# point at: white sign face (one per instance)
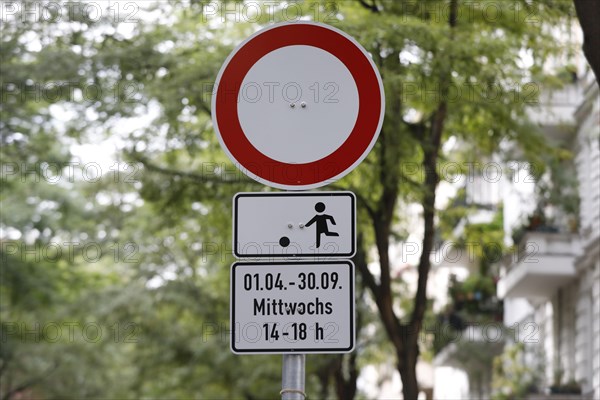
(315, 127)
(291, 225)
(283, 307)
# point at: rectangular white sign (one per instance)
(288, 307)
(305, 224)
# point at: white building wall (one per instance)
(587, 162)
(543, 318)
(567, 331)
(588, 171)
(595, 322)
(583, 326)
(450, 383)
(516, 310)
(587, 351)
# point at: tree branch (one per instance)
(200, 178)
(6, 360)
(371, 7)
(360, 260)
(588, 12)
(31, 382)
(205, 107)
(359, 196)
(431, 148)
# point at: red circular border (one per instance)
(327, 167)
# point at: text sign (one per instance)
(305, 307)
(305, 224)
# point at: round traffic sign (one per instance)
(298, 105)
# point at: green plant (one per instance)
(475, 298)
(512, 378)
(559, 189)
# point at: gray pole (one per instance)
(292, 377)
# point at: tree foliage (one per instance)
(141, 252)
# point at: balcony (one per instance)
(559, 397)
(473, 350)
(543, 263)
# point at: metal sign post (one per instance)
(292, 377)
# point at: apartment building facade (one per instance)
(551, 288)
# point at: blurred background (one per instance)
(478, 272)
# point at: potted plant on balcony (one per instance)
(538, 221)
(557, 197)
(558, 194)
(571, 387)
(557, 387)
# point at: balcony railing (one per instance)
(543, 263)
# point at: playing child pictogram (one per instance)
(322, 225)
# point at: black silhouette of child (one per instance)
(321, 220)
